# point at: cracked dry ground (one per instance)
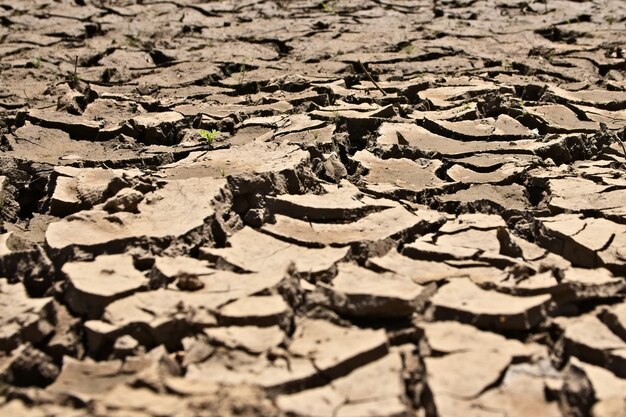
(450, 241)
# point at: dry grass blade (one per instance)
(621, 142)
(370, 78)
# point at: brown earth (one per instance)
(405, 208)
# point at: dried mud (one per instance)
(404, 208)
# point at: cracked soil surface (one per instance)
(404, 208)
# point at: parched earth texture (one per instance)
(402, 208)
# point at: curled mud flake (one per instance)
(466, 302)
(91, 286)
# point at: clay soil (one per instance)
(349, 208)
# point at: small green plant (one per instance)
(328, 6)
(523, 111)
(208, 135)
(35, 63)
(610, 19)
(222, 172)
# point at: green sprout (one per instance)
(523, 111)
(35, 63)
(222, 172)
(326, 6)
(208, 135)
